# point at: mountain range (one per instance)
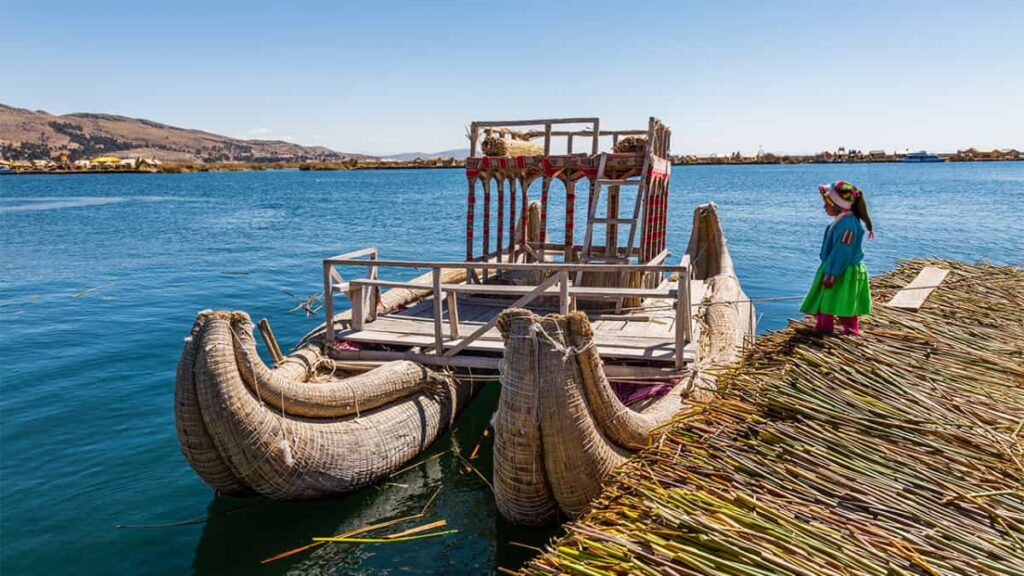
(38, 135)
(458, 153)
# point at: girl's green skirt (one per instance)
(850, 295)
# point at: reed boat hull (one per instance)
(294, 431)
(560, 428)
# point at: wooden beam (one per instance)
(270, 340)
(370, 251)
(476, 362)
(684, 314)
(493, 321)
(355, 295)
(563, 292)
(542, 266)
(328, 304)
(913, 295)
(540, 122)
(453, 314)
(438, 337)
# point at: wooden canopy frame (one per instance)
(650, 169)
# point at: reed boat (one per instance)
(376, 383)
(561, 427)
(302, 429)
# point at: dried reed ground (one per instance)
(900, 452)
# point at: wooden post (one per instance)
(547, 138)
(453, 315)
(501, 216)
(474, 133)
(512, 219)
(487, 223)
(328, 305)
(570, 212)
(683, 315)
(524, 220)
(438, 337)
(470, 215)
(568, 146)
(595, 145)
(544, 190)
(563, 292)
(270, 340)
(356, 296)
(611, 231)
(374, 295)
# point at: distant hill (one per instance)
(457, 153)
(38, 135)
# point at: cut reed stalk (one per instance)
(893, 453)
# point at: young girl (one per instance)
(841, 285)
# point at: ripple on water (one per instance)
(86, 396)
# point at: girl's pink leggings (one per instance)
(825, 324)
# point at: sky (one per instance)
(401, 76)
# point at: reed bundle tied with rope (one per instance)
(631, 144)
(300, 430)
(495, 146)
(900, 452)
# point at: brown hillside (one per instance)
(31, 135)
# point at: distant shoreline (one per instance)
(453, 163)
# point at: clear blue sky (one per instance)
(384, 77)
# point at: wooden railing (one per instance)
(362, 292)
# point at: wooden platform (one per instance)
(646, 335)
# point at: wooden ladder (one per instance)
(611, 254)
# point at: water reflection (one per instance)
(240, 533)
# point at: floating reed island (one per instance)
(606, 336)
(897, 453)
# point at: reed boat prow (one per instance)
(560, 427)
(299, 431)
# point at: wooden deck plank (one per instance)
(646, 334)
(404, 326)
(913, 295)
(653, 353)
(516, 290)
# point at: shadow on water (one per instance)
(240, 533)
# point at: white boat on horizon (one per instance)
(922, 156)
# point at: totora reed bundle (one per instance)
(495, 146)
(631, 144)
(298, 430)
(560, 429)
(897, 453)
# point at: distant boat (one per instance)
(922, 156)
(4, 170)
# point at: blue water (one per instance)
(86, 426)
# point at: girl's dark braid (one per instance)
(860, 210)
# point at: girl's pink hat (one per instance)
(842, 194)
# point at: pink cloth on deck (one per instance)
(632, 392)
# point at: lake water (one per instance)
(101, 276)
